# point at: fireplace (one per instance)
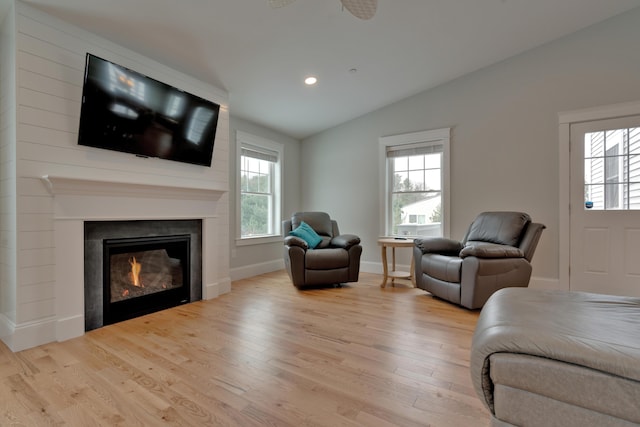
(144, 274)
(86, 211)
(133, 268)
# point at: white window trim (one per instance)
(247, 138)
(436, 136)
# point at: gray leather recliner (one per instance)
(495, 253)
(334, 261)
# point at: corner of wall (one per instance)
(8, 198)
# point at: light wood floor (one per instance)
(263, 354)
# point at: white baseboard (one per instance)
(214, 290)
(269, 266)
(546, 283)
(256, 269)
(371, 267)
(6, 329)
(31, 334)
(535, 282)
(71, 327)
(376, 267)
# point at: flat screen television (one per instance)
(126, 111)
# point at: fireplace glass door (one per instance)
(144, 274)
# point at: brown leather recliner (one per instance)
(495, 253)
(335, 260)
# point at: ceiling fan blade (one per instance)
(363, 9)
(280, 3)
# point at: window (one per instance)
(416, 184)
(259, 188)
(612, 169)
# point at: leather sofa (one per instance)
(546, 358)
(335, 259)
(496, 252)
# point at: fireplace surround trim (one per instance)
(76, 200)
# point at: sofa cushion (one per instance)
(442, 267)
(504, 228)
(306, 233)
(327, 259)
(490, 250)
(592, 390)
(598, 332)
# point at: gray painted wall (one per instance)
(504, 146)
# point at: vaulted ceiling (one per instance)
(260, 55)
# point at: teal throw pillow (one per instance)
(306, 233)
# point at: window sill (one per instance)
(247, 241)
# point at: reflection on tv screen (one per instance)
(126, 111)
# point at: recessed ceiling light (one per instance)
(310, 81)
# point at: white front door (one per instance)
(605, 206)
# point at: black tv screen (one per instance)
(126, 111)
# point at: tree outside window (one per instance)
(256, 183)
(259, 185)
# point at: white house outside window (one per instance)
(612, 169)
(259, 184)
(417, 181)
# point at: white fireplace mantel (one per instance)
(92, 199)
(61, 185)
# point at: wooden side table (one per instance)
(390, 242)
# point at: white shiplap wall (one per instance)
(7, 177)
(50, 57)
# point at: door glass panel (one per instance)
(594, 171)
(612, 169)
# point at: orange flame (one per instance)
(135, 271)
